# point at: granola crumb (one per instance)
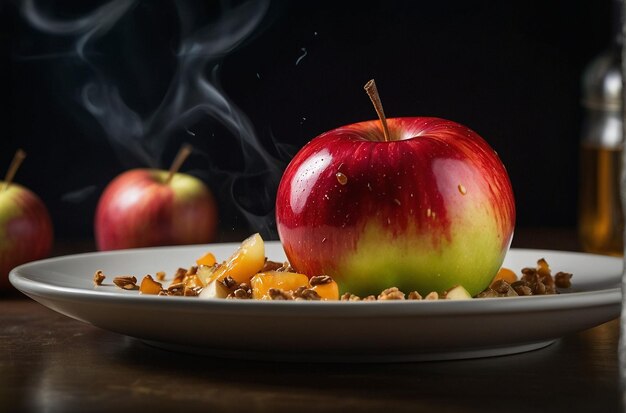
(126, 282)
(229, 282)
(392, 293)
(277, 294)
(563, 279)
(320, 279)
(349, 297)
(303, 293)
(271, 265)
(98, 277)
(414, 295)
(434, 295)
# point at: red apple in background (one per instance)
(417, 203)
(153, 207)
(26, 232)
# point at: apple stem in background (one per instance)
(181, 156)
(372, 92)
(15, 164)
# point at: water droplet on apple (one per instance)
(341, 178)
(397, 201)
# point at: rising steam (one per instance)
(193, 92)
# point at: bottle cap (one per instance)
(602, 82)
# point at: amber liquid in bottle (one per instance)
(601, 223)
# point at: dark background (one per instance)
(510, 70)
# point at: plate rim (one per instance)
(577, 299)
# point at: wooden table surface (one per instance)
(51, 363)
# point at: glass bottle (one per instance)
(600, 218)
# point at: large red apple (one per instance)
(428, 209)
(26, 232)
(153, 207)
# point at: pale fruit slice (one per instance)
(193, 281)
(457, 293)
(214, 289)
(282, 280)
(246, 261)
(205, 273)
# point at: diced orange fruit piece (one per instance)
(246, 261)
(543, 268)
(207, 259)
(506, 275)
(149, 286)
(283, 280)
(328, 291)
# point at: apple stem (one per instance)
(181, 156)
(372, 92)
(15, 164)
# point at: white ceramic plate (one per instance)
(322, 331)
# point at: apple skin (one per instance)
(139, 209)
(26, 231)
(428, 210)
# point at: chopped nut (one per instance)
(563, 279)
(286, 267)
(523, 290)
(278, 294)
(538, 288)
(192, 291)
(126, 282)
(391, 294)
(369, 298)
(179, 276)
(160, 275)
(320, 279)
(303, 293)
(271, 265)
(349, 297)
(240, 293)
(488, 293)
(501, 287)
(229, 282)
(176, 289)
(432, 296)
(414, 295)
(98, 277)
(530, 275)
